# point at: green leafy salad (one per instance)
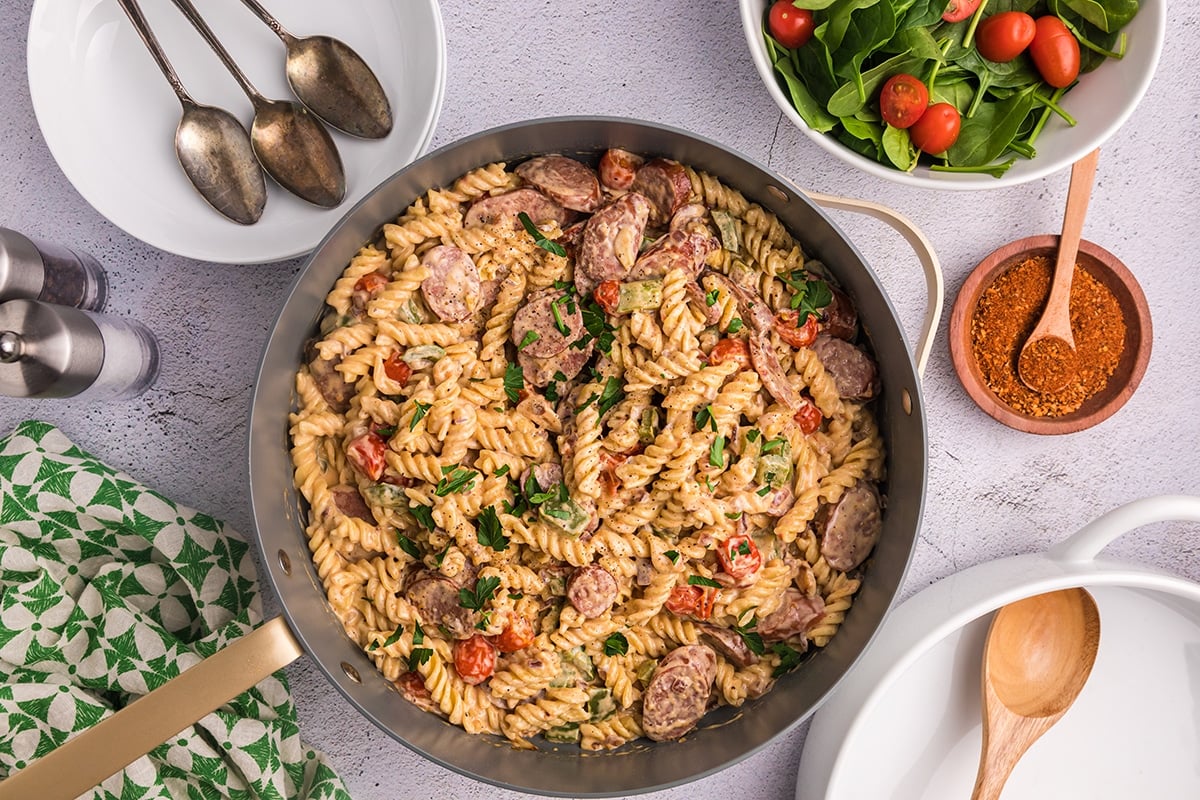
(957, 85)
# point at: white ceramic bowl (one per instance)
(1100, 104)
(910, 708)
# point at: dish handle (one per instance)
(1087, 542)
(934, 283)
(117, 741)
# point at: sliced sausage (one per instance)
(610, 242)
(554, 333)
(679, 249)
(853, 371)
(540, 372)
(728, 643)
(767, 365)
(798, 614)
(546, 475)
(690, 217)
(436, 600)
(505, 207)
(839, 318)
(677, 694)
(666, 185)
(330, 383)
(592, 590)
(618, 168)
(351, 503)
(852, 527)
(570, 183)
(699, 298)
(453, 288)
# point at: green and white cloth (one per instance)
(107, 590)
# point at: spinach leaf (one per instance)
(923, 14)
(914, 41)
(985, 136)
(846, 101)
(1014, 74)
(868, 30)
(957, 93)
(899, 149)
(837, 20)
(1107, 15)
(810, 110)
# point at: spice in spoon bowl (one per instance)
(999, 305)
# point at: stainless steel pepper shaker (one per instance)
(49, 350)
(49, 272)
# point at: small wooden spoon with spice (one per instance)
(1047, 361)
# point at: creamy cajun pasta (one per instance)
(587, 451)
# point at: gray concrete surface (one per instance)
(993, 492)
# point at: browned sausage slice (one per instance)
(690, 217)
(853, 371)
(436, 600)
(677, 694)
(506, 207)
(351, 503)
(556, 319)
(679, 249)
(330, 383)
(540, 372)
(570, 183)
(798, 614)
(610, 242)
(592, 590)
(728, 643)
(618, 168)
(666, 185)
(453, 289)
(852, 527)
(839, 318)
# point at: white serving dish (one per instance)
(1100, 104)
(905, 723)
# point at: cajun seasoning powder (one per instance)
(1005, 316)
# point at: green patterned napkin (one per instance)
(107, 590)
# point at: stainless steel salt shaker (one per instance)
(49, 350)
(38, 270)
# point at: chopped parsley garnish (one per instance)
(735, 325)
(475, 599)
(710, 298)
(500, 473)
(610, 395)
(551, 392)
(564, 286)
(733, 515)
(408, 545)
(716, 453)
(596, 323)
(440, 557)
(752, 435)
(558, 375)
(700, 580)
(539, 238)
(708, 483)
(790, 658)
(774, 444)
(418, 657)
(387, 431)
(616, 645)
(763, 491)
(705, 418)
(529, 338)
(514, 382)
(421, 409)
(418, 634)
(752, 638)
(534, 492)
(811, 295)
(673, 555)
(458, 479)
(559, 323)
(391, 640)
(557, 513)
(489, 533)
(743, 548)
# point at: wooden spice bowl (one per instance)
(1105, 268)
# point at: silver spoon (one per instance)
(213, 147)
(333, 81)
(291, 143)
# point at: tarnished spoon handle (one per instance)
(193, 16)
(269, 20)
(134, 12)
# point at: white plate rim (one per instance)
(40, 82)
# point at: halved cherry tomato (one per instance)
(396, 368)
(610, 483)
(475, 659)
(937, 129)
(808, 417)
(958, 10)
(366, 453)
(788, 327)
(688, 600)
(517, 636)
(903, 100)
(1055, 52)
(735, 350)
(371, 283)
(1004, 36)
(790, 26)
(607, 295)
(739, 556)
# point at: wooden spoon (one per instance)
(1051, 346)
(1038, 656)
